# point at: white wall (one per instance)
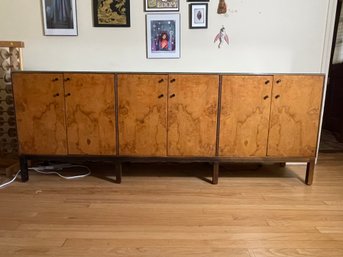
(267, 36)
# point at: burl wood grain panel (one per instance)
(39, 103)
(192, 115)
(295, 113)
(142, 114)
(90, 113)
(244, 119)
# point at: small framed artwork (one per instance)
(59, 17)
(111, 13)
(198, 16)
(163, 35)
(161, 5)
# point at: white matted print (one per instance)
(198, 16)
(59, 17)
(163, 35)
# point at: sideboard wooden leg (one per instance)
(215, 173)
(118, 172)
(24, 172)
(309, 172)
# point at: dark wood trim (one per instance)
(116, 109)
(174, 73)
(270, 113)
(320, 118)
(282, 164)
(65, 112)
(309, 172)
(167, 116)
(119, 172)
(219, 109)
(215, 173)
(118, 160)
(24, 172)
(168, 159)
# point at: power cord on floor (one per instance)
(41, 170)
(11, 181)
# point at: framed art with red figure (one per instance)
(163, 36)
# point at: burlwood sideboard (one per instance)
(171, 117)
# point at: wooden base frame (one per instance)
(214, 160)
(309, 172)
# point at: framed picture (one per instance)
(163, 35)
(161, 5)
(198, 16)
(111, 13)
(59, 17)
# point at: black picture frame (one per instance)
(198, 1)
(149, 8)
(198, 16)
(120, 8)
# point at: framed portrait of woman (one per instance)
(59, 17)
(163, 36)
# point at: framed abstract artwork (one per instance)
(163, 35)
(111, 13)
(161, 5)
(198, 16)
(59, 17)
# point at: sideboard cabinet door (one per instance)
(295, 114)
(192, 115)
(39, 102)
(90, 113)
(244, 119)
(142, 114)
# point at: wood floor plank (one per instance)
(29, 241)
(166, 235)
(180, 243)
(301, 252)
(336, 229)
(124, 252)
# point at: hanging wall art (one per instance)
(111, 13)
(59, 17)
(198, 16)
(221, 37)
(161, 5)
(222, 9)
(163, 35)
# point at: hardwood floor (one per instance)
(165, 210)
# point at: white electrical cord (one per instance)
(41, 171)
(10, 182)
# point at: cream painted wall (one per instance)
(266, 36)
